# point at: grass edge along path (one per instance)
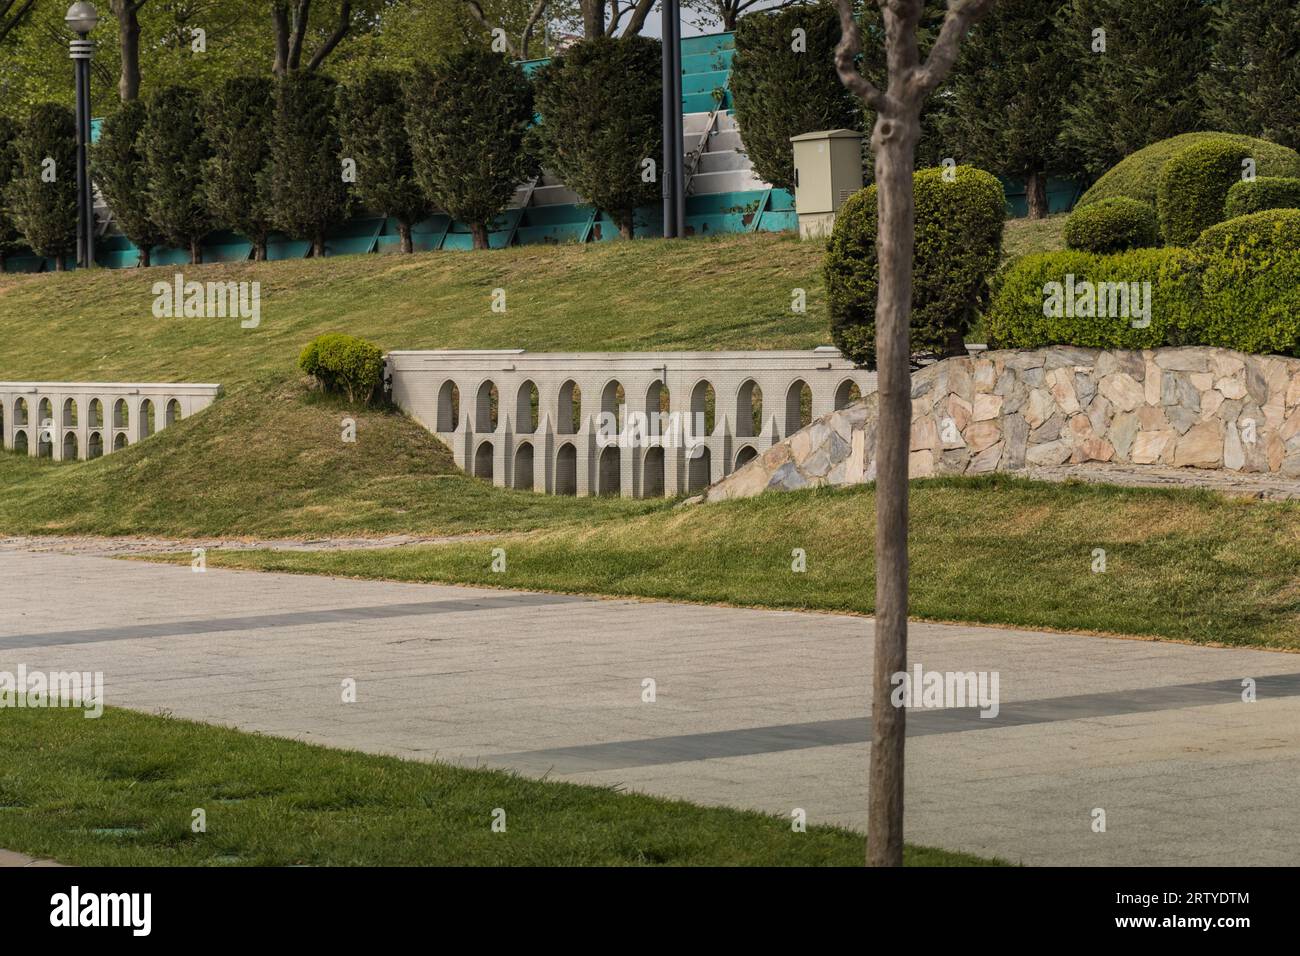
(122, 790)
(1172, 564)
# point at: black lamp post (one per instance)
(672, 175)
(81, 19)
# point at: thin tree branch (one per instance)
(962, 15)
(527, 36)
(340, 31)
(7, 25)
(300, 15)
(846, 54)
(477, 13)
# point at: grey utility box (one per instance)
(827, 171)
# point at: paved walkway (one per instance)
(762, 709)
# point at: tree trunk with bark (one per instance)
(894, 138)
(627, 224)
(144, 257)
(1036, 194)
(196, 252)
(128, 31)
(404, 234)
(318, 246)
(479, 231)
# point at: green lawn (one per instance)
(1182, 565)
(121, 791)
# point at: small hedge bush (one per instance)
(1137, 174)
(1112, 225)
(1250, 292)
(1030, 311)
(1193, 188)
(958, 244)
(344, 364)
(1264, 192)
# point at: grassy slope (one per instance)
(121, 791)
(269, 460)
(1187, 566)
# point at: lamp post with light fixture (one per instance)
(81, 19)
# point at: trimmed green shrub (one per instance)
(601, 121)
(372, 117)
(780, 93)
(1250, 293)
(41, 198)
(958, 244)
(467, 118)
(1137, 175)
(344, 364)
(1054, 298)
(307, 191)
(1112, 225)
(118, 168)
(237, 118)
(10, 239)
(174, 148)
(1264, 192)
(1193, 189)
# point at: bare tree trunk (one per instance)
(60, 263)
(144, 257)
(128, 31)
(894, 139)
(593, 18)
(627, 224)
(404, 233)
(480, 233)
(1036, 194)
(318, 246)
(259, 249)
(196, 252)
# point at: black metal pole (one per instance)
(679, 168)
(81, 50)
(666, 176)
(81, 169)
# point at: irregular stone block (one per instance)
(1201, 447)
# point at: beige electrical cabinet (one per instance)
(827, 171)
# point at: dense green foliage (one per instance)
(1080, 298)
(1252, 84)
(119, 170)
(41, 198)
(1263, 192)
(1142, 87)
(1137, 175)
(174, 148)
(10, 238)
(958, 244)
(344, 364)
(1193, 188)
(237, 116)
(602, 123)
(1008, 95)
(782, 91)
(467, 118)
(307, 191)
(372, 125)
(1112, 225)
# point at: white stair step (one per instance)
(730, 139)
(719, 161)
(728, 181)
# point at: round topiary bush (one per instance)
(1193, 188)
(1136, 175)
(1112, 225)
(958, 243)
(1250, 292)
(1264, 192)
(344, 364)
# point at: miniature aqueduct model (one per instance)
(70, 420)
(639, 424)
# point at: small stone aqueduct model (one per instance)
(74, 420)
(638, 424)
(1018, 410)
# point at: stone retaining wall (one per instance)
(1012, 410)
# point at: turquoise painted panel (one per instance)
(708, 62)
(704, 82)
(708, 43)
(779, 221)
(282, 248)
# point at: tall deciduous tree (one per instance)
(466, 119)
(291, 23)
(897, 106)
(1135, 65)
(237, 122)
(1252, 85)
(601, 122)
(174, 149)
(12, 13)
(372, 117)
(1008, 96)
(42, 196)
(725, 14)
(784, 82)
(517, 48)
(118, 168)
(308, 193)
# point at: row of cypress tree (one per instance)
(1043, 87)
(296, 153)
